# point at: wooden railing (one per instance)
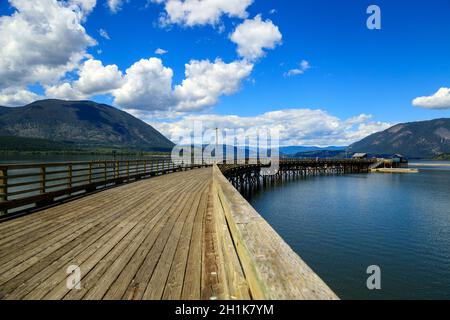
(24, 187)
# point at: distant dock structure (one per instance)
(360, 155)
(395, 164)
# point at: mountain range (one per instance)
(291, 150)
(424, 139)
(81, 124)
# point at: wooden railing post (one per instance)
(117, 170)
(43, 178)
(3, 187)
(105, 176)
(90, 172)
(128, 169)
(70, 175)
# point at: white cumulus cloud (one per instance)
(64, 91)
(254, 35)
(307, 127)
(201, 12)
(13, 97)
(147, 85)
(41, 41)
(439, 100)
(98, 79)
(206, 81)
(94, 79)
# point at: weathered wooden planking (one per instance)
(192, 280)
(174, 285)
(30, 223)
(97, 249)
(136, 289)
(118, 288)
(158, 282)
(144, 240)
(97, 268)
(36, 247)
(237, 284)
(40, 272)
(46, 266)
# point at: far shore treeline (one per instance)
(34, 146)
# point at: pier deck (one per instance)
(186, 235)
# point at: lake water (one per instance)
(340, 225)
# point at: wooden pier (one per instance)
(245, 177)
(185, 235)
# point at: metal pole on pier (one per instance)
(217, 145)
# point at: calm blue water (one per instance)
(340, 225)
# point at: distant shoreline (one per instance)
(431, 164)
(81, 153)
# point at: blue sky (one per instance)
(351, 71)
